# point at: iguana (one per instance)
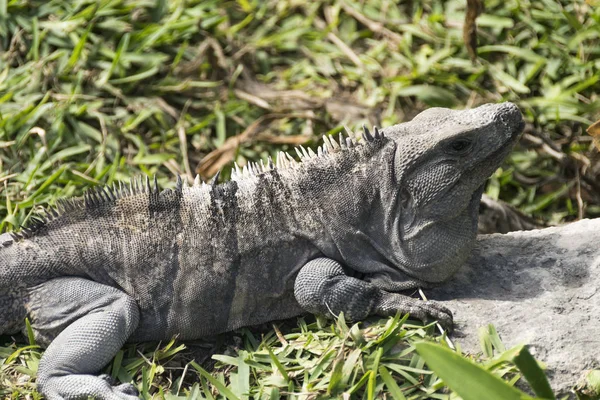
(342, 230)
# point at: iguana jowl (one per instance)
(342, 230)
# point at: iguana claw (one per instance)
(419, 309)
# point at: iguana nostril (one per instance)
(511, 116)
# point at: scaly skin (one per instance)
(338, 232)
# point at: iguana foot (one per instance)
(81, 387)
(391, 303)
(322, 287)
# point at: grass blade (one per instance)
(467, 379)
(391, 384)
(531, 370)
(220, 387)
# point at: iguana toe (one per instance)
(438, 312)
(391, 303)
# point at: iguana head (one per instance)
(403, 206)
(441, 161)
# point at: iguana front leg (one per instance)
(322, 287)
(94, 321)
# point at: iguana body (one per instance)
(338, 232)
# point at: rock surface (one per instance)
(537, 287)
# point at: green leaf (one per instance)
(525, 54)
(151, 159)
(278, 364)
(592, 380)
(29, 201)
(391, 384)
(336, 382)
(241, 384)
(547, 199)
(136, 77)
(485, 342)
(30, 335)
(122, 47)
(116, 364)
(494, 21)
(509, 81)
(18, 353)
(531, 370)
(350, 363)
(506, 356)
(360, 382)
(216, 383)
(62, 155)
(76, 54)
(431, 95)
(467, 379)
(373, 377)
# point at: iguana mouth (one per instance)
(498, 155)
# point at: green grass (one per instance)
(94, 91)
(314, 360)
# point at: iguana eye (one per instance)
(460, 146)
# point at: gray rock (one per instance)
(537, 287)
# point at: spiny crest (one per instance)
(92, 199)
(35, 224)
(6, 239)
(95, 197)
(101, 195)
(285, 160)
